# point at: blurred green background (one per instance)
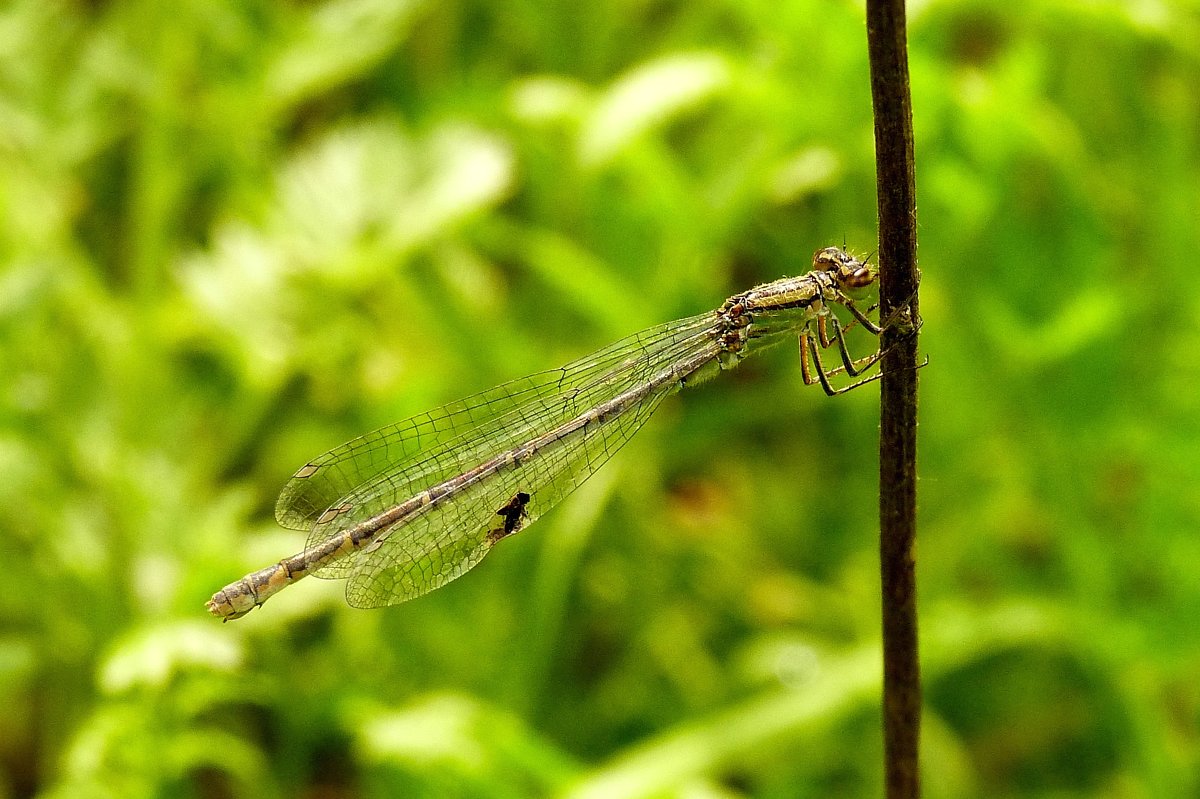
(235, 235)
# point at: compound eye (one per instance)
(859, 278)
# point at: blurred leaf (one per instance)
(149, 659)
(337, 41)
(646, 97)
(459, 739)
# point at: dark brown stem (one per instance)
(896, 181)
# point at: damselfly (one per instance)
(405, 509)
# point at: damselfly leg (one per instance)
(809, 348)
(850, 366)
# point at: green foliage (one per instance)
(235, 235)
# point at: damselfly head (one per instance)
(849, 272)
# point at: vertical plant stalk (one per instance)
(896, 188)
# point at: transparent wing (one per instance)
(317, 487)
(368, 475)
(438, 546)
(384, 455)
